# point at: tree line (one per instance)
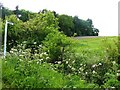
(70, 26)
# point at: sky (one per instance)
(104, 13)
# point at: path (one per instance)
(81, 37)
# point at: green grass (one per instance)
(93, 48)
(92, 43)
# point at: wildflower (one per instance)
(81, 69)
(94, 65)
(41, 54)
(40, 45)
(66, 62)
(59, 62)
(21, 60)
(37, 62)
(47, 57)
(100, 64)
(45, 53)
(36, 55)
(35, 42)
(86, 72)
(93, 72)
(11, 51)
(23, 52)
(73, 68)
(112, 87)
(21, 55)
(113, 62)
(73, 61)
(35, 50)
(118, 74)
(41, 60)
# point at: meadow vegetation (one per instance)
(40, 56)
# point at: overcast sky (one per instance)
(104, 13)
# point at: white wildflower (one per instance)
(114, 62)
(41, 60)
(81, 69)
(118, 74)
(94, 65)
(59, 62)
(23, 52)
(66, 62)
(112, 87)
(45, 53)
(11, 51)
(36, 54)
(99, 63)
(21, 55)
(40, 45)
(37, 62)
(41, 54)
(73, 68)
(93, 72)
(35, 42)
(21, 60)
(73, 61)
(86, 72)
(47, 57)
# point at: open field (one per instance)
(93, 43)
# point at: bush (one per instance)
(22, 73)
(15, 32)
(56, 45)
(34, 30)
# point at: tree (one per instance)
(6, 12)
(14, 31)
(66, 24)
(77, 25)
(96, 31)
(41, 25)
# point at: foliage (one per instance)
(23, 73)
(34, 30)
(40, 26)
(15, 32)
(66, 24)
(56, 44)
(39, 53)
(6, 12)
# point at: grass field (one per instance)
(94, 48)
(93, 43)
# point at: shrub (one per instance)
(56, 45)
(22, 73)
